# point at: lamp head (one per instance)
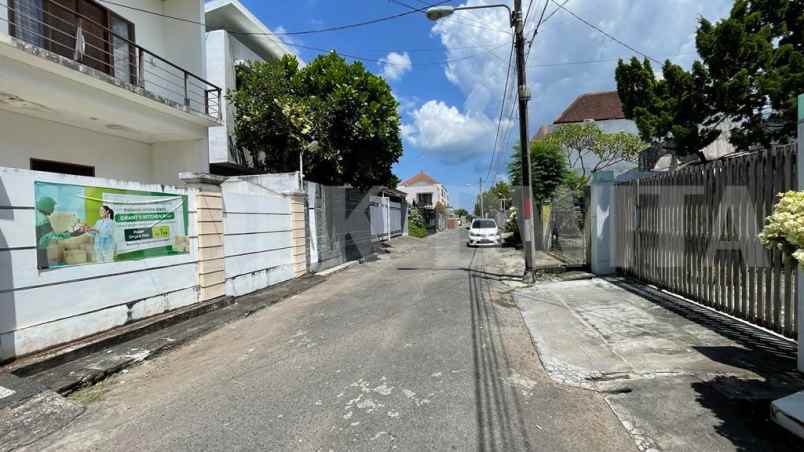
(439, 12)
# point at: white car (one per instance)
(484, 232)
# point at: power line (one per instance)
(542, 20)
(604, 33)
(502, 110)
(276, 39)
(287, 33)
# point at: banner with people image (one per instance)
(77, 225)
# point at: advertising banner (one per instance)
(78, 225)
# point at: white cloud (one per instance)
(660, 29)
(444, 130)
(395, 65)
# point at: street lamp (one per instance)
(439, 12)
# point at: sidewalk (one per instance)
(677, 375)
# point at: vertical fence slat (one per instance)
(670, 225)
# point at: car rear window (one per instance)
(484, 224)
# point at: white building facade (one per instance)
(97, 89)
(424, 192)
(234, 36)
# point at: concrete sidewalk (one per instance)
(679, 376)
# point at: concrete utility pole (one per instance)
(482, 213)
(524, 96)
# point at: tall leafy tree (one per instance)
(587, 149)
(751, 71)
(348, 112)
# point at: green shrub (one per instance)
(416, 227)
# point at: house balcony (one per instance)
(80, 65)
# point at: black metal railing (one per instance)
(60, 30)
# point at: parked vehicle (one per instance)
(484, 232)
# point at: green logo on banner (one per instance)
(143, 216)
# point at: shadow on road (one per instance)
(474, 271)
(498, 409)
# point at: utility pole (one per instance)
(482, 212)
(524, 96)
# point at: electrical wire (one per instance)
(287, 33)
(604, 33)
(502, 111)
(278, 40)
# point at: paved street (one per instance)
(422, 350)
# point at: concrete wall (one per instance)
(24, 137)
(43, 308)
(258, 235)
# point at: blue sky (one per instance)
(449, 76)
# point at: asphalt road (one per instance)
(422, 350)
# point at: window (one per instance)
(80, 30)
(484, 224)
(62, 167)
(424, 199)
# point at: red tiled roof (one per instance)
(597, 106)
(422, 178)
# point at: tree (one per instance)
(491, 197)
(669, 111)
(461, 212)
(281, 109)
(751, 70)
(548, 169)
(588, 149)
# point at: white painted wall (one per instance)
(43, 308)
(603, 224)
(221, 74)
(223, 52)
(257, 235)
(25, 137)
(4, 19)
(169, 159)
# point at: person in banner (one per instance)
(103, 232)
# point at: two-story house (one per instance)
(106, 89)
(234, 36)
(426, 193)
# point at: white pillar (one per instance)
(799, 272)
(602, 223)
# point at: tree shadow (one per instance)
(742, 405)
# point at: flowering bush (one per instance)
(784, 228)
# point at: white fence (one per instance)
(258, 235)
(42, 308)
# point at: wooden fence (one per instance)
(694, 232)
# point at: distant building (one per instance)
(426, 193)
(605, 109)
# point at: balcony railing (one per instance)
(49, 25)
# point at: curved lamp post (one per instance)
(440, 12)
